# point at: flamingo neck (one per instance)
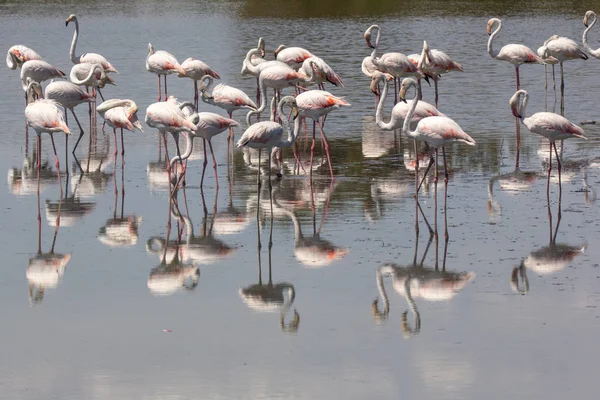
(187, 153)
(385, 270)
(363, 67)
(379, 113)
(586, 46)
(491, 51)
(74, 58)
(374, 52)
(263, 100)
(251, 68)
(87, 80)
(523, 106)
(411, 111)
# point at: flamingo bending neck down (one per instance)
(436, 131)
(515, 54)
(91, 58)
(38, 71)
(589, 16)
(120, 114)
(549, 125)
(18, 54)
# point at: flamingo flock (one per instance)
(291, 67)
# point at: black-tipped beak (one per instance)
(262, 53)
(66, 23)
(427, 79)
(404, 100)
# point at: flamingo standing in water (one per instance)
(396, 64)
(162, 63)
(120, 114)
(91, 58)
(292, 56)
(315, 104)
(322, 71)
(563, 49)
(196, 70)
(45, 115)
(226, 97)
(541, 51)
(516, 54)
(254, 58)
(434, 63)
(38, 71)
(549, 125)
(589, 16)
(269, 134)
(18, 54)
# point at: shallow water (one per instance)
(110, 324)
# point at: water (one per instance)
(108, 327)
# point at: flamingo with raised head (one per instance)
(396, 64)
(292, 56)
(516, 54)
(196, 70)
(563, 49)
(549, 125)
(122, 114)
(434, 63)
(269, 134)
(315, 104)
(45, 116)
(162, 63)
(589, 20)
(18, 54)
(226, 97)
(92, 58)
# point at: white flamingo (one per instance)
(18, 54)
(589, 20)
(162, 63)
(92, 58)
(196, 70)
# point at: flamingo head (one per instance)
(587, 17)
(261, 46)
(515, 104)
(368, 34)
(277, 50)
(405, 84)
(72, 17)
(376, 78)
(34, 89)
(491, 23)
(150, 49)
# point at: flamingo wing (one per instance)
(196, 69)
(293, 55)
(439, 62)
(67, 94)
(93, 58)
(319, 99)
(21, 54)
(518, 54)
(46, 115)
(214, 121)
(223, 93)
(547, 123)
(163, 62)
(118, 117)
(261, 133)
(441, 130)
(563, 48)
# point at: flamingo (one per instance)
(169, 117)
(69, 96)
(515, 54)
(120, 114)
(549, 125)
(162, 63)
(323, 72)
(196, 70)
(367, 67)
(45, 115)
(91, 58)
(434, 63)
(226, 97)
(436, 131)
(563, 49)
(276, 77)
(18, 54)
(90, 75)
(541, 51)
(38, 71)
(396, 64)
(589, 15)
(209, 125)
(292, 56)
(268, 134)
(254, 58)
(315, 104)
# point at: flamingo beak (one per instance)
(403, 94)
(295, 112)
(585, 21)
(489, 29)
(262, 53)
(375, 87)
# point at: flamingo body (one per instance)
(322, 71)
(18, 54)
(38, 71)
(91, 58)
(316, 103)
(196, 69)
(292, 56)
(67, 94)
(46, 115)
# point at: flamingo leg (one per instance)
(431, 161)
(122, 148)
(100, 93)
(257, 91)
(435, 85)
(258, 181)
(416, 172)
(115, 136)
(159, 92)
(395, 90)
(326, 148)
(445, 196)
(435, 182)
(559, 168)
(554, 82)
(196, 94)
(312, 150)
(214, 163)
(562, 90)
(57, 164)
(270, 185)
(549, 169)
(165, 87)
(517, 73)
(204, 163)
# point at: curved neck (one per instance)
(254, 70)
(523, 106)
(379, 113)
(288, 304)
(374, 52)
(408, 331)
(207, 89)
(586, 46)
(87, 79)
(491, 51)
(411, 111)
(380, 272)
(363, 68)
(263, 101)
(286, 125)
(74, 58)
(187, 153)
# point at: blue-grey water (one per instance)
(508, 313)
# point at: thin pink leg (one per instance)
(326, 148)
(159, 87)
(214, 163)
(165, 87)
(57, 164)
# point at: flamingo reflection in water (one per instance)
(271, 297)
(547, 260)
(418, 281)
(45, 270)
(23, 181)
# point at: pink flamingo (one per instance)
(45, 115)
(562, 49)
(315, 104)
(549, 125)
(162, 63)
(196, 70)
(516, 54)
(434, 63)
(38, 71)
(396, 64)
(589, 16)
(91, 58)
(323, 72)
(269, 134)
(226, 97)
(209, 125)
(254, 58)
(120, 114)
(18, 54)
(292, 56)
